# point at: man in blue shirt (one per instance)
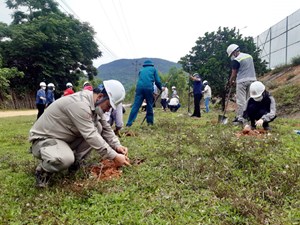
(148, 76)
(197, 91)
(50, 94)
(40, 99)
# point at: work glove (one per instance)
(259, 122)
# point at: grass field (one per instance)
(193, 171)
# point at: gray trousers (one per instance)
(242, 95)
(56, 155)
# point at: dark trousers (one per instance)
(256, 115)
(197, 99)
(163, 102)
(140, 95)
(41, 109)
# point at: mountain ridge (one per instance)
(126, 70)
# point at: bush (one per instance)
(287, 99)
(296, 61)
(279, 69)
(290, 76)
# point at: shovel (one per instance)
(222, 118)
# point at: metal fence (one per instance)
(281, 42)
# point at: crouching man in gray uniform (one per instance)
(74, 125)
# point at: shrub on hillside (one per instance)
(279, 68)
(271, 85)
(287, 99)
(290, 76)
(296, 61)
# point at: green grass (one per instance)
(195, 171)
(287, 99)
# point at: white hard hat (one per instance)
(85, 83)
(115, 91)
(205, 82)
(231, 48)
(69, 84)
(50, 85)
(256, 89)
(173, 87)
(43, 84)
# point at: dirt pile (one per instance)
(106, 170)
(109, 170)
(254, 133)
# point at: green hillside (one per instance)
(126, 70)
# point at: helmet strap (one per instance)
(103, 99)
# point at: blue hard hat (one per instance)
(101, 87)
(148, 63)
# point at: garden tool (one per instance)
(222, 118)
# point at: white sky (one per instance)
(168, 29)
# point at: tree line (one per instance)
(44, 44)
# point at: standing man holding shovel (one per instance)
(243, 74)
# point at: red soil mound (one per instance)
(106, 170)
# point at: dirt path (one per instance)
(18, 113)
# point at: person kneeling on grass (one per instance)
(74, 125)
(174, 104)
(260, 107)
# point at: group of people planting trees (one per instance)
(67, 131)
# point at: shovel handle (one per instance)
(227, 100)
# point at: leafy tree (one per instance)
(35, 8)
(48, 45)
(5, 75)
(210, 60)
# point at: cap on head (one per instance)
(86, 83)
(205, 82)
(115, 91)
(148, 63)
(231, 48)
(43, 84)
(257, 88)
(69, 84)
(50, 85)
(173, 87)
(196, 75)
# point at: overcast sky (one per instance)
(167, 29)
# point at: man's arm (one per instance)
(233, 76)
(269, 116)
(81, 117)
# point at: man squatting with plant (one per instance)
(243, 74)
(74, 125)
(260, 107)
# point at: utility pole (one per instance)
(189, 92)
(136, 64)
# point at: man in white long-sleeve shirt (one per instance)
(164, 97)
(206, 95)
(116, 116)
